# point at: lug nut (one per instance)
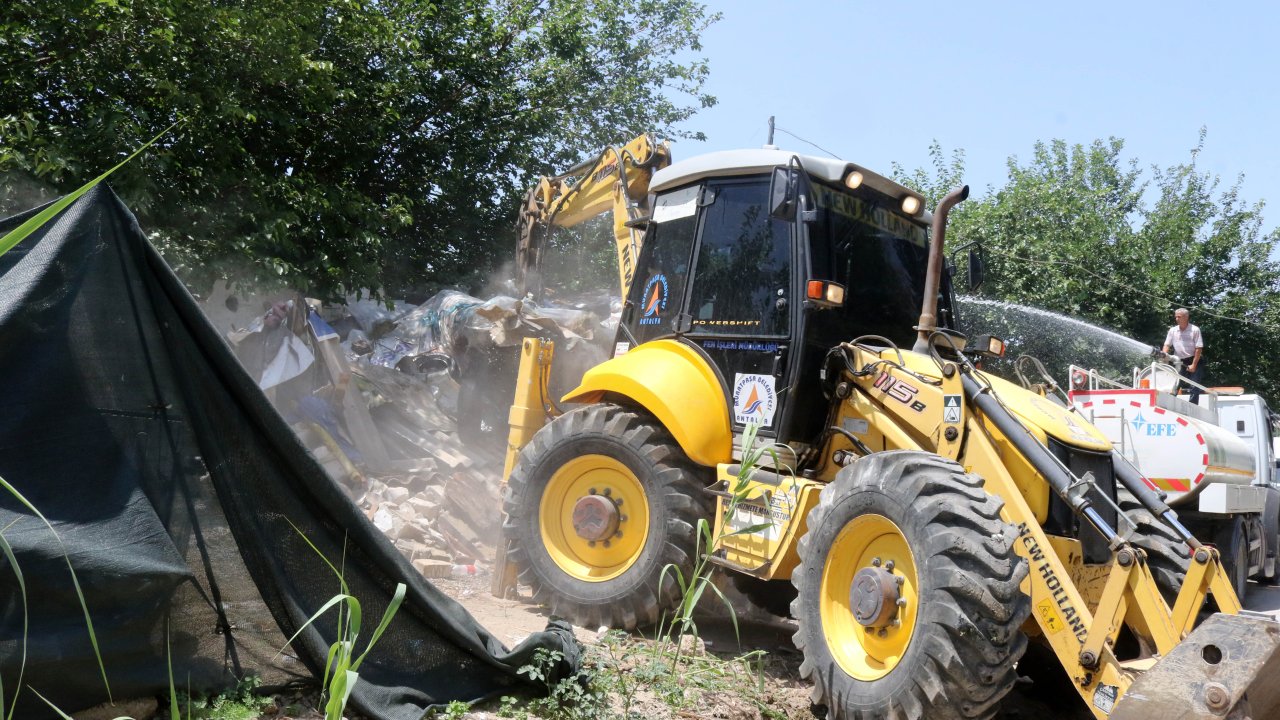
(608, 492)
(592, 491)
(902, 602)
(875, 562)
(606, 543)
(889, 566)
(618, 534)
(882, 632)
(622, 518)
(591, 543)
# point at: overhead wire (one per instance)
(1116, 283)
(807, 142)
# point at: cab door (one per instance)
(739, 306)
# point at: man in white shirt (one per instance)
(1184, 341)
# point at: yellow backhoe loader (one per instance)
(926, 521)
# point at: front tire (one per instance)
(613, 456)
(948, 652)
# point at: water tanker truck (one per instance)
(1214, 462)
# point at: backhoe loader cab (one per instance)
(923, 522)
(765, 295)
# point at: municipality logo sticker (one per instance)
(754, 399)
(655, 300)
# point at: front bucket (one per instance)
(1228, 668)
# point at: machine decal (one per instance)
(676, 205)
(605, 171)
(754, 399)
(880, 218)
(1104, 697)
(857, 426)
(1040, 564)
(1049, 615)
(951, 409)
(751, 345)
(726, 323)
(621, 348)
(899, 390)
(655, 300)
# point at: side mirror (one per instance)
(783, 194)
(977, 270)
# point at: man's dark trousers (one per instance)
(1195, 376)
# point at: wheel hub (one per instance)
(595, 518)
(874, 597)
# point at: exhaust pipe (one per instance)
(933, 275)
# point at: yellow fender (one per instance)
(674, 383)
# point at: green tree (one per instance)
(336, 144)
(1078, 230)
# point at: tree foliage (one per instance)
(1079, 230)
(337, 144)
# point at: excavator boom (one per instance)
(617, 181)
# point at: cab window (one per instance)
(743, 266)
(879, 257)
(658, 288)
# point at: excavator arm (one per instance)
(617, 180)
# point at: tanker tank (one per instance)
(1178, 454)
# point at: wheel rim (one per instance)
(868, 652)
(590, 484)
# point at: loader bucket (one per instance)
(1226, 669)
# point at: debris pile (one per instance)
(406, 406)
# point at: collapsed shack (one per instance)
(186, 504)
(406, 406)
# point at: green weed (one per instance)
(342, 662)
(18, 234)
(693, 588)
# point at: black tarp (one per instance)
(175, 488)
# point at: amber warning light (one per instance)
(826, 294)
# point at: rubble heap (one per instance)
(406, 407)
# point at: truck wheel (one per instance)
(772, 596)
(1271, 539)
(600, 501)
(1168, 556)
(909, 603)
(1233, 545)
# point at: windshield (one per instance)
(880, 257)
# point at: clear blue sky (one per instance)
(877, 82)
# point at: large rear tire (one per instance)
(948, 650)
(1168, 556)
(1233, 546)
(627, 478)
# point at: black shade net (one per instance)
(185, 503)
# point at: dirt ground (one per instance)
(513, 620)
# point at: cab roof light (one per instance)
(911, 205)
(853, 180)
